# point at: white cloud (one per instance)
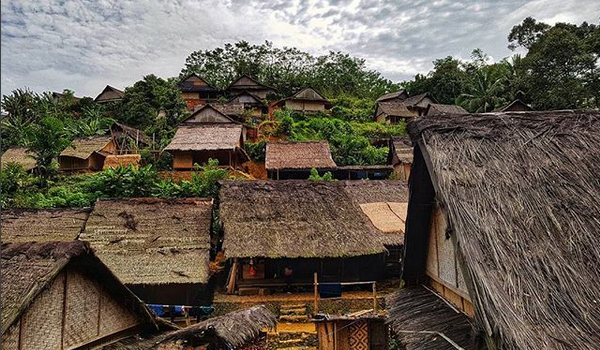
(86, 44)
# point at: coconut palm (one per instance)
(484, 94)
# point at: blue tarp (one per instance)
(177, 310)
(330, 290)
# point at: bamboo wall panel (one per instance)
(81, 322)
(114, 316)
(431, 265)
(445, 250)
(41, 326)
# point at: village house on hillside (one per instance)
(42, 225)
(251, 104)
(87, 153)
(398, 108)
(401, 156)
(59, 295)
(243, 329)
(344, 238)
(502, 228)
(20, 156)
(196, 91)
(247, 84)
(514, 106)
(294, 160)
(307, 100)
(208, 134)
(397, 96)
(109, 94)
(158, 247)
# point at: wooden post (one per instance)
(232, 277)
(374, 296)
(316, 306)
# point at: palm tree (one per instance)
(484, 95)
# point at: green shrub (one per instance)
(314, 176)
(256, 151)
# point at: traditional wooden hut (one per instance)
(401, 157)
(397, 96)
(438, 108)
(109, 94)
(294, 160)
(307, 100)
(252, 105)
(358, 331)
(243, 329)
(250, 85)
(42, 225)
(196, 91)
(158, 247)
(59, 295)
(502, 224)
(20, 156)
(393, 111)
(129, 140)
(515, 106)
(309, 226)
(88, 153)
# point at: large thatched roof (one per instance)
(298, 155)
(84, 147)
(28, 268)
(398, 95)
(42, 225)
(204, 137)
(398, 109)
(520, 191)
(234, 330)
(152, 240)
(438, 108)
(401, 150)
(18, 155)
(306, 219)
(424, 321)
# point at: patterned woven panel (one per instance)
(114, 316)
(10, 338)
(359, 335)
(41, 328)
(81, 324)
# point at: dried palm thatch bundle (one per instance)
(520, 191)
(42, 225)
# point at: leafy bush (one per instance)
(314, 176)
(124, 181)
(256, 151)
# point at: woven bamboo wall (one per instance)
(10, 338)
(81, 320)
(114, 316)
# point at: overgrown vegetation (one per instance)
(314, 176)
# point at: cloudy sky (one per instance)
(85, 44)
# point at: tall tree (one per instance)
(484, 94)
(47, 140)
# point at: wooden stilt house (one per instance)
(501, 245)
(159, 248)
(59, 295)
(196, 91)
(307, 100)
(87, 154)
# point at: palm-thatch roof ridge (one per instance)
(438, 108)
(401, 94)
(152, 240)
(18, 155)
(521, 195)
(235, 330)
(28, 268)
(201, 137)
(424, 321)
(397, 109)
(84, 147)
(42, 225)
(298, 155)
(293, 219)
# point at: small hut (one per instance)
(309, 226)
(244, 329)
(502, 225)
(363, 330)
(196, 91)
(20, 156)
(129, 140)
(397, 96)
(294, 160)
(158, 247)
(515, 106)
(252, 105)
(88, 153)
(109, 94)
(59, 295)
(438, 108)
(394, 110)
(307, 100)
(251, 86)
(400, 157)
(42, 225)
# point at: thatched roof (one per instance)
(133, 133)
(414, 100)
(520, 191)
(307, 94)
(28, 268)
(204, 137)
(398, 95)
(514, 106)
(84, 147)
(438, 108)
(233, 330)
(18, 155)
(298, 155)
(42, 225)
(296, 219)
(424, 321)
(152, 240)
(398, 109)
(194, 83)
(246, 82)
(401, 150)
(109, 94)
